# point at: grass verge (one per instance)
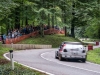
(18, 70)
(54, 40)
(94, 56)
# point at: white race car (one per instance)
(71, 50)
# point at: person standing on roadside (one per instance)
(3, 38)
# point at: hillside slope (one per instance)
(54, 40)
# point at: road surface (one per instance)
(44, 59)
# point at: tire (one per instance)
(60, 58)
(56, 56)
(84, 60)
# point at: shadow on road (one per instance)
(73, 60)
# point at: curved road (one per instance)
(44, 59)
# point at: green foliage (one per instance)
(37, 11)
(5, 8)
(92, 30)
(88, 15)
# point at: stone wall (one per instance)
(27, 46)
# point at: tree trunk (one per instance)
(42, 25)
(53, 13)
(22, 22)
(65, 22)
(64, 16)
(52, 21)
(48, 20)
(26, 21)
(72, 28)
(65, 31)
(73, 21)
(42, 17)
(99, 33)
(17, 18)
(42, 30)
(7, 28)
(98, 1)
(55, 20)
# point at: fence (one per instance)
(53, 31)
(23, 37)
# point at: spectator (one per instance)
(4, 38)
(18, 33)
(13, 36)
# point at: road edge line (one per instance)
(27, 65)
(68, 65)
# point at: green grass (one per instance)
(2, 51)
(54, 40)
(94, 56)
(18, 70)
(5, 66)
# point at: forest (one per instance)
(81, 18)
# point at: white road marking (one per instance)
(67, 65)
(28, 66)
(93, 63)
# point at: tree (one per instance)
(93, 30)
(68, 13)
(6, 7)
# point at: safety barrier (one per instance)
(27, 46)
(53, 31)
(20, 38)
(90, 47)
(35, 33)
(97, 43)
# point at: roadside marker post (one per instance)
(11, 59)
(97, 43)
(12, 45)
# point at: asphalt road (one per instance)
(44, 60)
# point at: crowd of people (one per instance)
(14, 33)
(19, 32)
